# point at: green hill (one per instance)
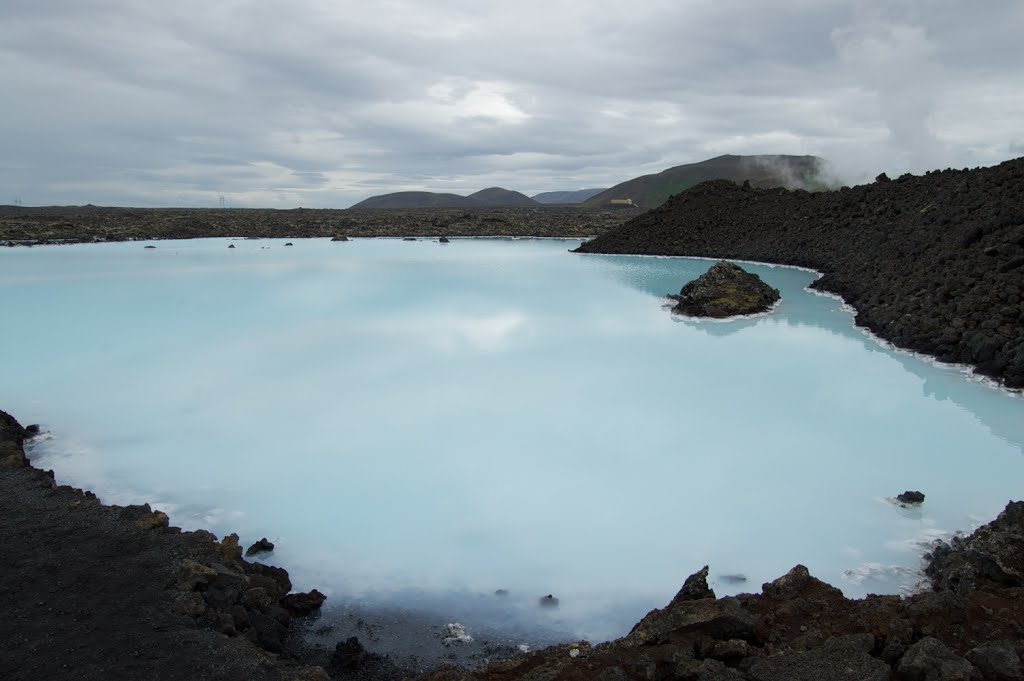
(650, 191)
(504, 198)
(493, 197)
(417, 200)
(578, 196)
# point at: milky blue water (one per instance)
(420, 423)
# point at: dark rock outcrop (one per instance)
(262, 546)
(725, 290)
(339, 237)
(12, 439)
(910, 498)
(993, 556)
(929, 262)
(695, 587)
(930, 660)
(302, 604)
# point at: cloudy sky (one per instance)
(321, 103)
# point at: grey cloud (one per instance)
(324, 103)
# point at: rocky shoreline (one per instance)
(88, 224)
(931, 263)
(91, 591)
(105, 592)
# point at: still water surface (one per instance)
(425, 423)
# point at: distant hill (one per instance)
(578, 196)
(650, 191)
(417, 200)
(493, 197)
(504, 198)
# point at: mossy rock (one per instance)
(725, 290)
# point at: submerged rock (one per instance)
(302, 604)
(733, 578)
(350, 655)
(725, 290)
(443, 240)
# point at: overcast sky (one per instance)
(321, 103)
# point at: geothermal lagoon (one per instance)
(418, 425)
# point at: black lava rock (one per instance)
(910, 498)
(350, 655)
(931, 263)
(725, 290)
(262, 546)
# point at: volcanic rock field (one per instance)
(932, 263)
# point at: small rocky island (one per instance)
(725, 290)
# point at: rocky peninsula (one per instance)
(932, 263)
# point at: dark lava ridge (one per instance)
(932, 263)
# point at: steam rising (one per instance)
(894, 64)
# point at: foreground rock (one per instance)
(932, 263)
(105, 592)
(990, 559)
(725, 290)
(970, 628)
(12, 439)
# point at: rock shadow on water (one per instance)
(718, 327)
